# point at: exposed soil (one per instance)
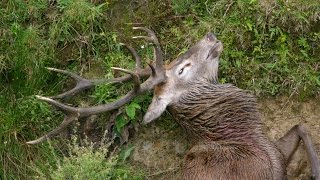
(159, 151)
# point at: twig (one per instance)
(285, 104)
(225, 13)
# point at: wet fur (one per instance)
(225, 122)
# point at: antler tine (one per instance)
(135, 55)
(62, 107)
(82, 83)
(151, 35)
(73, 75)
(67, 120)
(153, 70)
(157, 49)
(134, 76)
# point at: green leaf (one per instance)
(141, 98)
(135, 105)
(121, 122)
(125, 153)
(131, 109)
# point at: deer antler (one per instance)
(156, 76)
(84, 84)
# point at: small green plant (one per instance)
(130, 116)
(105, 93)
(87, 162)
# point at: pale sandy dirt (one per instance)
(159, 151)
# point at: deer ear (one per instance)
(156, 108)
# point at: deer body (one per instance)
(231, 144)
(222, 119)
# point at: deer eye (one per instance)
(181, 71)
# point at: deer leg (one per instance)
(288, 144)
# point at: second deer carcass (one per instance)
(223, 120)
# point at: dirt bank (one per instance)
(159, 150)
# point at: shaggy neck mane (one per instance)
(218, 112)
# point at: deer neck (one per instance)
(217, 112)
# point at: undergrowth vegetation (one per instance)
(88, 162)
(270, 47)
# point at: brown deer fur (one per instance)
(231, 144)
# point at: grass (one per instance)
(88, 162)
(264, 51)
(270, 47)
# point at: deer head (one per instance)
(199, 63)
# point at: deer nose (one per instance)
(211, 37)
